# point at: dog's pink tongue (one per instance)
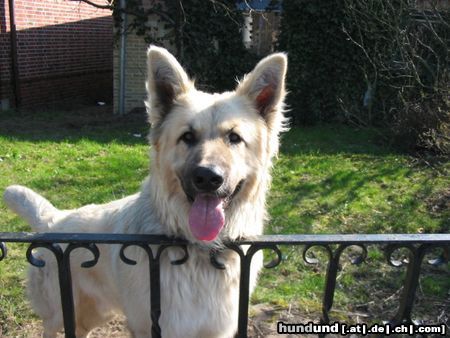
(206, 217)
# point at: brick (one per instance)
(57, 38)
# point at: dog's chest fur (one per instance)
(197, 299)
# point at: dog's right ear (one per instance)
(166, 81)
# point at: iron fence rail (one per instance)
(417, 246)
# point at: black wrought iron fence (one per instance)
(417, 245)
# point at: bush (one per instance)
(320, 58)
(406, 60)
(371, 62)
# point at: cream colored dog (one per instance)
(211, 156)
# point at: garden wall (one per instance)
(64, 51)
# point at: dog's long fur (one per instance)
(190, 128)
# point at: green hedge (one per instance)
(320, 59)
(371, 62)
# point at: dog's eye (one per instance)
(188, 138)
(234, 138)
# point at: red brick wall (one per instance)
(64, 52)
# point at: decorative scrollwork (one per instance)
(3, 250)
(149, 252)
(239, 249)
(332, 270)
(124, 258)
(443, 258)
(179, 261)
(392, 248)
(89, 246)
(37, 262)
(214, 253)
(276, 261)
(60, 254)
(438, 261)
(213, 259)
(360, 258)
(312, 260)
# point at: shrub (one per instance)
(406, 60)
(371, 62)
(320, 58)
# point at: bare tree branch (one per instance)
(109, 6)
(142, 14)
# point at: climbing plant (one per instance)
(205, 35)
(209, 42)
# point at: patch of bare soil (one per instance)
(114, 329)
(264, 317)
(439, 202)
(262, 324)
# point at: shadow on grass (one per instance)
(329, 190)
(95, 123)
(99, 124)
(334, 139)
(329, 196)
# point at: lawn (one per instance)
(327, 179)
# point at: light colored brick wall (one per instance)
(135, 73)
(136, 67)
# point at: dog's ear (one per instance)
(264, 86)
(166, 81)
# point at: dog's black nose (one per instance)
(207, 179)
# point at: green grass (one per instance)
(333, 179)
(327, 179)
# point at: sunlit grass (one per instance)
(327, 179)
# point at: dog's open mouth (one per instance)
(207, 214)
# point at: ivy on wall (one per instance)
(206, 36)
(211, 43)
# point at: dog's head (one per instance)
(212, 152)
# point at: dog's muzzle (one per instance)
(209, 195)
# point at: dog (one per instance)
(211, 158)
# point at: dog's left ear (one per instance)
(166, 81)
(264, 86)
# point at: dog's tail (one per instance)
(34, 208)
